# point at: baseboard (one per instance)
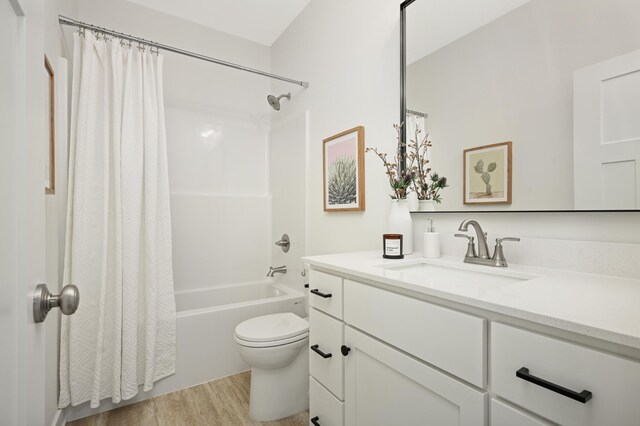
(58, 419)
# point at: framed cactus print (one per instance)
(343, 171)
(487, 174)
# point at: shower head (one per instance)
(275, 102)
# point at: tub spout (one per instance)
(276, 270)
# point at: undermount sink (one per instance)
(475, 275)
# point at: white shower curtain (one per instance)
(118, 242)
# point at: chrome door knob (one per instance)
(43, 301)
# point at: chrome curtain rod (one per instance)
(74, 23)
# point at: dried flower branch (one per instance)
(426, 184)
(400, 184)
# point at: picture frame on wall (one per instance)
(343, 171)
(487, 174)
(50, 140)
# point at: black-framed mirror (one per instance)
(559, 80)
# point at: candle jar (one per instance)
(392, 246)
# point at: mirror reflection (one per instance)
(528, 104)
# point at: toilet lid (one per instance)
(273, 327)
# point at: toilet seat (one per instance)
(271, 344)
(271, 330)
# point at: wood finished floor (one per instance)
(219, 403)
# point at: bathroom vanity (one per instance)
(440, 342)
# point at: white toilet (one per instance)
(277, 349)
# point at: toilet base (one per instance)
(279, 393)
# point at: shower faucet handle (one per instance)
(284, 243)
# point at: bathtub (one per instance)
(206, 320)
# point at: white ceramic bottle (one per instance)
(400, 223)
(430, 241)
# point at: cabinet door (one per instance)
(383, 386)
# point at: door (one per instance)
(607, 134)
(383, 386)
(21, 210)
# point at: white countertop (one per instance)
(599, 306)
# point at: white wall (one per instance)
(349, 51)
(217, 123)
(512, 80)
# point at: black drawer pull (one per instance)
(315, 421)
(345, 350)
(583, 396)
(317, 293)
(319, 352)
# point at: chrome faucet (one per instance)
(276, 270)
(482, 258)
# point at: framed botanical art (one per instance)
(487, 174)
(50, 141)
(343, 171)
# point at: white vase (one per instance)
(400, 223)
(426, 205)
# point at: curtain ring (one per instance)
(81, 31)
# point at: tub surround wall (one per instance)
(287, 171)
(217, 122)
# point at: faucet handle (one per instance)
(500, 240)
(465, 236)
(471, 248)
(498, 254)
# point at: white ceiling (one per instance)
(256, 20)
(434, 24)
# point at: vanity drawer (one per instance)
(325, 338)
(325, 293)
(613, 381)
(448, 339)
(504, 415)
(324, 408)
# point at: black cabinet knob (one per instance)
(345, 350)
